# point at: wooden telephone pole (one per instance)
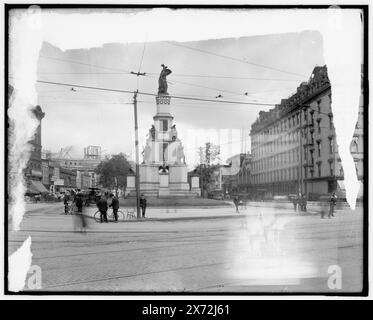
(137, 176)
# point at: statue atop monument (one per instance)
(162, 89)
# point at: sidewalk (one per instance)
(169, 214)
(183, 213)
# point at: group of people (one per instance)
(103, 206)
(300, 203)
(74, 202)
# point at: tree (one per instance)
(113, 172)
(209, 154)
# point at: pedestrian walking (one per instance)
(79, 219)
(102, 207)
(333, 203)
(143, 205)
(236, 201)
(295, 202)
(79, 203)
(66, 200)
(304, 203)
(115, 205)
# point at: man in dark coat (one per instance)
(115, 205)
(304, 203)
(143, 205)
(80, 221)
(236, 201)
(79, 202)
(66, 200)
(333, 202)
(102, 207)
(295, 202)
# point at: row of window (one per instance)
(285, 141)
(290, 174)
(293, 121)
(276, 176)
(312, 173)
(280, 159)
(292, 156)
(289, 139)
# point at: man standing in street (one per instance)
(143, 205)
(333, 202)
(115, 205)
(80, 221)
(66, 200)
(236, 202)
(102, 207)
(304, 202)
(79, 203)
(295, 202)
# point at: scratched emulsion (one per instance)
(76, 29)
(19, 264)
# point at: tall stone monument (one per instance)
(163, 172)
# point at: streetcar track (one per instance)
(137, 275)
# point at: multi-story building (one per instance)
(33, 170)
(83, 180)
(293, 145)
(244, 184)
(68, 177)
(86, 166)
(229, 174)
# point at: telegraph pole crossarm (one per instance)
(138, 73)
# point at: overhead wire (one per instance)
(229, 77)
(218, 91)
(233, 59)
(138, 73)
(152, 94)
(85, 64)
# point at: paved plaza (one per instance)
(262, 249)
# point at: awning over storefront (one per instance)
(37, 187)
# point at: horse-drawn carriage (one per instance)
(91, 196)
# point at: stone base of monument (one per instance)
(155, 183)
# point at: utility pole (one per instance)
(300, 177)
(335, 183)
(137, 177)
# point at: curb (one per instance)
(168, 219)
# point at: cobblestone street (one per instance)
(263, 249)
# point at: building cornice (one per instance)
(306, 92)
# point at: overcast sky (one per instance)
(82, 117)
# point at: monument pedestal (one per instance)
(164, 190)
(195, 186)
(131, 187)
